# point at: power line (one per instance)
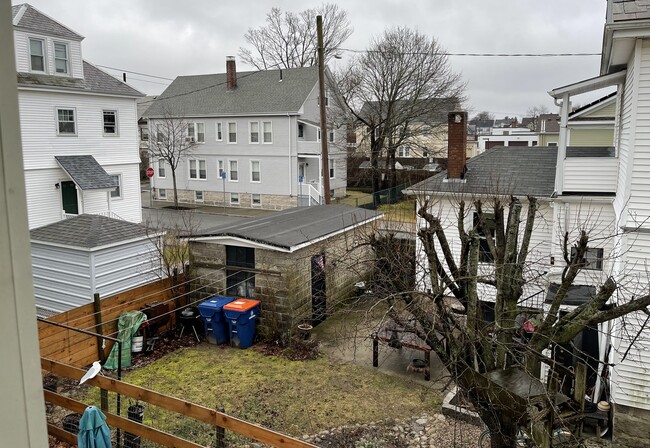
(135, 73)
(132, 78)
(509, 55)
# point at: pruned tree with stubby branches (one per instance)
(478, 354)
(288, 39)
(171, 142)
(399, 90)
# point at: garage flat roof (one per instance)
(293, 228)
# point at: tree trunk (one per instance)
(374, 168)
(175, 191)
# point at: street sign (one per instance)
(149, 172)
(300, 179)
(223, 174)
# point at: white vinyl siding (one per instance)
(590, 174)
(24, 53)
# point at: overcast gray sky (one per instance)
(169, 38)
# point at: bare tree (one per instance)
(481, 355)
(288, 39)
(483, 116)
(171, 142)
(536, 111)
(399, 90)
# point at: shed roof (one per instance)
(257, 92)
(86, 172)
(88, 231)
(295, 227)
(94, 81)
(27, 17)
(520, 171)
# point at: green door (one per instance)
(69, 198)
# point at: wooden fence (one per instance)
(195, 411)
(74, 348)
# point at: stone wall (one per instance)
(631, 427)
(216, 198)
(283, 280)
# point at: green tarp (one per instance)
(128, 324)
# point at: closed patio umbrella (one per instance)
(93, 430)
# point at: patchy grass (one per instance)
(355, 198)
(401, 212)
(294, 397)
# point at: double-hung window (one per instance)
(161, 168)
(267, 130)
(331, 136)
(61, 59)
(221, 169)
(256, 199)
(219, 131)
(256, 175)
(197, 169)
(66, 122)
(117, 192)
(234, 173)
(234, 198)
(593, 258)
(232, 132)
(37, 55)
(196, 132)
(330, 163)
(254, 127)
(110, 122)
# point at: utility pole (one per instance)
(323, 117)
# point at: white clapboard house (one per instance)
(260, 129)
(78, 126)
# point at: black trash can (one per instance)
(135, 413)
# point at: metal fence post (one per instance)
(220, 433)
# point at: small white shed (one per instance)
(75, 258)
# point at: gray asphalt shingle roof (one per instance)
(34, 20)
(94, 80)
(256, 92)
(519, 171)
(296, 226)
(86, 172)
(88, 231)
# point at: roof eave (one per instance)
(589, 85)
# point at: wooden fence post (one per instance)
(100, 346)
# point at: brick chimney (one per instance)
(457, 144)
(231, 73)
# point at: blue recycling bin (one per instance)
(216, 327)
(241, 315)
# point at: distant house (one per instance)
(507, 137)
(260, 130)
(78, 126)
(424, 137)
(300, 262)
(547, 127)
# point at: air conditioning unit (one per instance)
(189, 139)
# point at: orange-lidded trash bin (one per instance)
(241, 315)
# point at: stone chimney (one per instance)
(457, 144)
(231, 73)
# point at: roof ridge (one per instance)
(28, 6)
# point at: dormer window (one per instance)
(37, 55)
(61, 58)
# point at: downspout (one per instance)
(561, 147)
(291, 136)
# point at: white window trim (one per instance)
(331, 166)
(43, 47)
(163, 195)
(250, 133)
(120, 186)
(218, 125)
(67, 60)
(238, 199)
(56, 121)
(228, 132)
(262, 129)
(117, 127)
(161, 164)
(230, 172)
(196, 199)
(198, 169)
(260, 171)
(252, 203)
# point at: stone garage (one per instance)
(300, 262)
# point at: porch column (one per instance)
(561, 148)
